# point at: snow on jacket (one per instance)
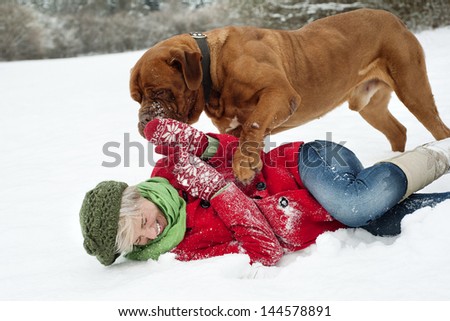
(272, 215)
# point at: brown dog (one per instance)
(266, 81)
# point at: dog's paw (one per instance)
(244, 175)
(246, 166)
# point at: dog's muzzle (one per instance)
(146, 114)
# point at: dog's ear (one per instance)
(189, 63)
(134, 86)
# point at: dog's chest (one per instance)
(233, 124)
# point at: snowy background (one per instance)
(59, 114)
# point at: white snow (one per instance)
(56, 118)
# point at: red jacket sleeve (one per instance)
(248, 225)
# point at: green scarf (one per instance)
(165, 196)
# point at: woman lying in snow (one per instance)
(193, 207)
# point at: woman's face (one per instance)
(151, 223)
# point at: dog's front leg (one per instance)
(273, 109)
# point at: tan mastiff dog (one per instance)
(253, 82)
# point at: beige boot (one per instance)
(424, 164)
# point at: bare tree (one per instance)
(19, 33)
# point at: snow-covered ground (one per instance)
(59, 114)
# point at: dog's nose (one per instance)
(144, 119)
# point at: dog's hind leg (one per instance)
(410, 82)
(376, 113)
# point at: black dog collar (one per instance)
(200, 38)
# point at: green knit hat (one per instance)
(99, 219)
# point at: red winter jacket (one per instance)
(272, 215)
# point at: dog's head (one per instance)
(166, 82)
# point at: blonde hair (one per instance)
(130, 211)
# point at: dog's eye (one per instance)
(164, 94)
(171, 96)
(159, 93)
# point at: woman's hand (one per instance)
(197, 177)
(167, 133)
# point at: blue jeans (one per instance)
(358, 196)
